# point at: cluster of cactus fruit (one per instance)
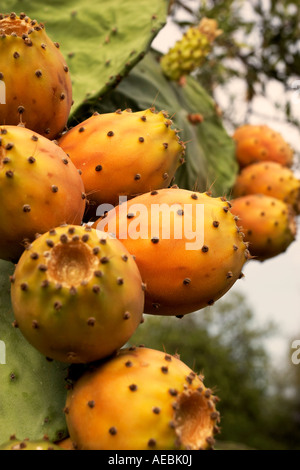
(266, 193)
(191, 50)
(90, 218)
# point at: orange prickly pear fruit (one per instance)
(160, 404)
(271, 179)
(65, 444)
(261, 143)
(35, 77)
(40, 188)
(124, 153)
(76, 297)
(269, 224)
(186, 244)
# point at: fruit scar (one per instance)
(76, 297)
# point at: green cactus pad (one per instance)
(32, 390)
(100, 40)
(210, 151)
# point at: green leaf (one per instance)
(210, 151)
(32, 389)
(100, 40)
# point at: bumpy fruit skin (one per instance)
(261, 143)
(26, 444)
(271, 179)
(182, 270)
(142, 399)
(65, 444)
(268, 224)
(124, 153)
(77, 297)
(38, 86)
(190, 51)
(40, 188)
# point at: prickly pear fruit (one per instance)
(186, 245)
(77, 297)
(268, 224)
(40, 188)
(65, 444)
(36, 78)
(124, 153)
(271, 179)
(190, 51)
(160, 404)
(261, 143)
(26, 444)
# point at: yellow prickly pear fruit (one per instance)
(124, 153)
(34, 76)
(261, 143)
(186, 244)
(77, 296)
(142, 399)
(40, 188)
(269, 224)
(271, 179)
(26, 444)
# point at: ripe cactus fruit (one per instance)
(37, 82)
(190, 51)
(26, 444)
(261, 143)
(271, 179)
(40, 188)
(161, 404)
(268, 224)
(76, 297)
(186, 245)
(124, 153)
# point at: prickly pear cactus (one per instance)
(190, 51)
(38, 88)
(124, 153)
(33, 391)
(77, 294)
(101, 40)
(159, 404)
(187, 246)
